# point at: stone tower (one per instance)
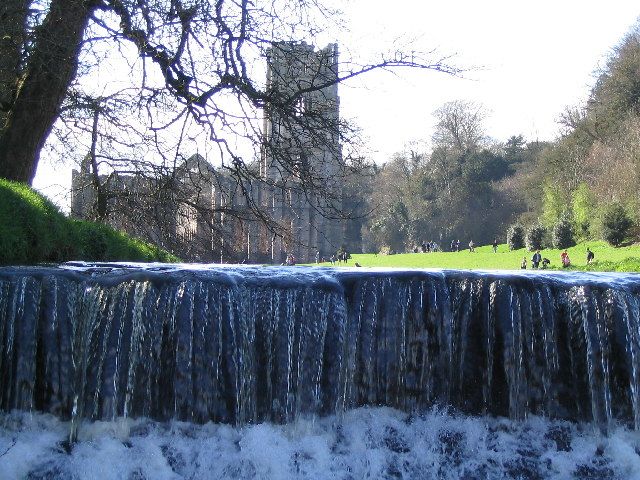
(308, 142)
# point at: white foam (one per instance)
(363, 443)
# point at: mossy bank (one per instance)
(33, 230)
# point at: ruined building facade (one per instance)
(201, 214)
(310, 141)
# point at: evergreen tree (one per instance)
(563, 234)
(615, 224)
(515, 237)
(535, 237)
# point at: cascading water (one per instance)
(245, 345)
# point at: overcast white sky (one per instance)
(536, 58)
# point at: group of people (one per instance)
(341, 256)
(426, 247)
(455, 246)
(537, 260)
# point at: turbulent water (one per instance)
(379, 443)
(99, 346)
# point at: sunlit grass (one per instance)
(607, 258)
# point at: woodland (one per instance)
(468, 186)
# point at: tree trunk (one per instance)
(41, 90)
(13, 21)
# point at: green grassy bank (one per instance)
(33, 230)
(607, 258)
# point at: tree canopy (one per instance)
(584, 184)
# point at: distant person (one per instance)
(545, 263)
(495, 245)
(423, 247)
(590, 256)
(332, 259)
(317, 256)
(523, 263)
(457, 245)
(564, 257)
(472, 246)
(453, 245)
(536, 259)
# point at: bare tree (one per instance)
(197, 71)
(201, 50)
(460, 125)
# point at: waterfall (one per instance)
(246, 345)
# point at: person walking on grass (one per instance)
(523, 263)
(495, 245)
(590, 256)
(536, 259)
(472, 247)
(564, 257)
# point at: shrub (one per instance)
(515, 237)
(535, 237)
(615, 224)
(563, 234)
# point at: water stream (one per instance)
(246, 345)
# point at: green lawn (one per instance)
(607, 258)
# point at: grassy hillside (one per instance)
(607, 258)
(33, 230)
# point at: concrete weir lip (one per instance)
(306, 273)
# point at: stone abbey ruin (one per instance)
(203, 213)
